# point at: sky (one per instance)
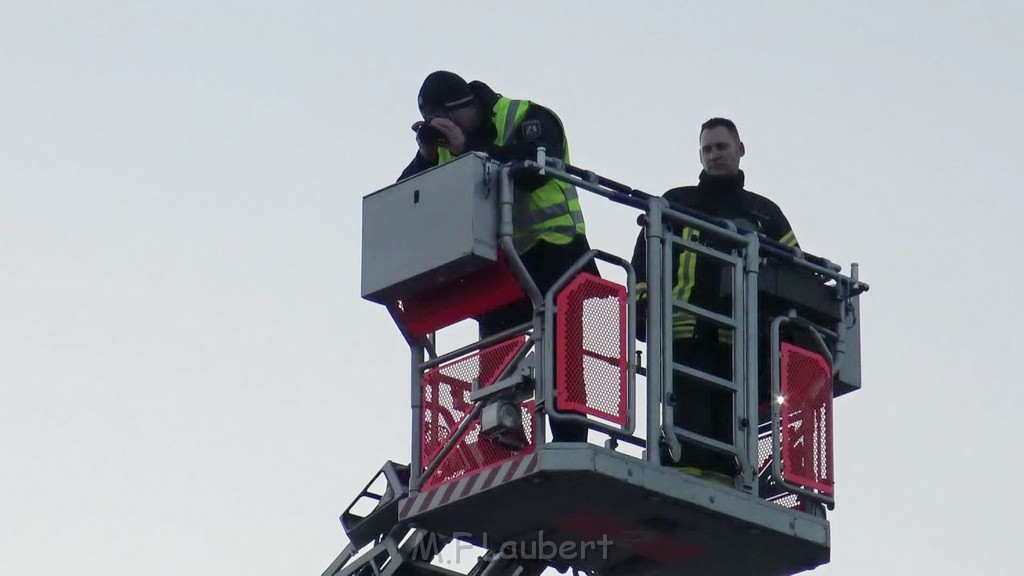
(190, 383)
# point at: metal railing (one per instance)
(743, 253)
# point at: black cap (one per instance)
(444, 90)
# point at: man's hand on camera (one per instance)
(428, 151)
(452, 134)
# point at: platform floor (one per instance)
(589, 507)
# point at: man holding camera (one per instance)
(461, 117)
(548, 229)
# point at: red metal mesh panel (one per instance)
(475, 452)
(590, 349)
(807, 419)
(446, 404)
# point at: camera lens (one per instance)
(429, 134)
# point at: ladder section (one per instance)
(706, 390)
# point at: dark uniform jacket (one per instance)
(697, 278)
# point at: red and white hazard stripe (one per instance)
(468, 485)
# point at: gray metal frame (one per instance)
(742, 252)
(532, 370)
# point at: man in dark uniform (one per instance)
(697, 342)
(549, 233)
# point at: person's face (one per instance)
(466, 117)
(720, 152)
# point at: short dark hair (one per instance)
(724, 122)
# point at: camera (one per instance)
(428, 134)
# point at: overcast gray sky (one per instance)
(191, 385)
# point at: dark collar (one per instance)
(486, 99)
(483, 94)
(718, 184)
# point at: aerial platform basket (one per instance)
(437, 249)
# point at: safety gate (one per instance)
(590, 355)
(795, 447)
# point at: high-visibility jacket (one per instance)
(549, 213)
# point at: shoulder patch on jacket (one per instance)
(530, 129)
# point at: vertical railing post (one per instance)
(741, 422)
(750, 377)
(506, 229)
(506, 199)
(656, 323)
(416, 401)
(630, 337)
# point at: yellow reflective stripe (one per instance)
(789, 239)
(514, 111)
(725, 335)
(554, 217)
(683, 328)
(506, 115)
(553, 210)
(563, 221)
(683, 319)
(687, 268)
(510, 121)
(557, 231)
(679, 287)
(572, 199)
(684, 323)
